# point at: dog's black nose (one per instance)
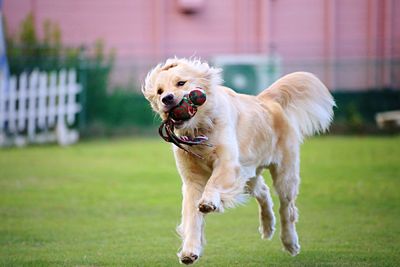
(168, 99)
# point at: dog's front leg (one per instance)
(222, 187)
(191, 227)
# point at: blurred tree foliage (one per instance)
(27, 50)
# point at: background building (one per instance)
(351, 45)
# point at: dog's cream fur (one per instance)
(248, 134)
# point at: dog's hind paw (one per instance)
(207, 207)
(290, 241)
(188, 258)
(292, 248)
(266, 232)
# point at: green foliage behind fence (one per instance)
(125, 109)
(355, 111)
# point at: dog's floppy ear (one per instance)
(169, 66)
(148, 85)
(171, 63)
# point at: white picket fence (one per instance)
(39, 108)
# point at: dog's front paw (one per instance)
(207, 207)
(210, 202)
(187, 258)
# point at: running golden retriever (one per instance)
(248, 134)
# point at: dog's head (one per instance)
(167, 83)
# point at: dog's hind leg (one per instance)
(286, 182)
(260, 191)
(191, 228)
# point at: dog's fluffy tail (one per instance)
(305, 100)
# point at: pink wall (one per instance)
(313, 32)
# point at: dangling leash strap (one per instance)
(166, 131)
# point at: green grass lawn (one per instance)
(117, 203)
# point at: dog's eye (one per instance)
(180, 83)
(160, 91)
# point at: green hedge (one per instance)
(363, 105)
(125, 109)
(355, 110)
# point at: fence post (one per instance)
(51, 109)
(23, 82)
(12, 108)
(42, 95)
(33, 84)
(72, 90)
